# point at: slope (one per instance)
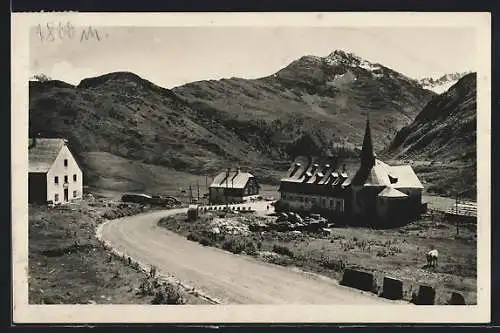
(445, 132)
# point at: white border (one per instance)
(25, 313)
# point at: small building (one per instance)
(233, 186)
(53, 173)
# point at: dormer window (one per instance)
(393, 180)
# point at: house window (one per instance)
(66, 179)
(65, 162)
(56, 180)
(74, 177)
(56, 197)
(75, 194)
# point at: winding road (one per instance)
(226, 277)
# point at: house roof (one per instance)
(235, 179)
(406, 177)
(42, 153)
(382, 174)
(314, 176)
(390, 192)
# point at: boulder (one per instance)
(456, 299)
(426, 295)
(358, 279)
(392, 288)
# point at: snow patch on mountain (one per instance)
(442, 83)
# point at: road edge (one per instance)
(162, 276)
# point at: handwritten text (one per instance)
(51, 32)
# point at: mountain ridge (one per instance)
(204, 126)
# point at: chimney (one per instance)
(295, 168)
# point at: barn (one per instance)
(53, 173)
(233, 186)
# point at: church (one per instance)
(373, 192)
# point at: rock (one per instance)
(426, 295)
(282, 217)
(358, 279)
(456, 299)
(326, 231)
(392, 288)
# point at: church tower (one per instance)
(367, 155)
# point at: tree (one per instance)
(41, 77)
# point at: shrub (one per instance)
(205, 241)
(169, 294)
(193, 237)
(284, 250)
(238, 245)
(250, 248)
(348, 245)
(337, 265)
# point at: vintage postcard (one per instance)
(251, 167)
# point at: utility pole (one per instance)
(207, 191)
(198, 189)
(190, 195)
(456, 212)
(227, 187)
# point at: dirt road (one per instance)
(229, 278)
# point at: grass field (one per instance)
(398, 253)
(68, 265)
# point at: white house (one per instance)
(53, 175)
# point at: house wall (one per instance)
(37, 188)
(221, 195)
(357, 200)
(58, 169)
(251, 188)
(414, 199)
(307, 202)
(382, 207)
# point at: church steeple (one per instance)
(367, 155)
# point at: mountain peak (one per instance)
(338, 57)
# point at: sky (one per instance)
(172, 56)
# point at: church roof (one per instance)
(390, 192)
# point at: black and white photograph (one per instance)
(191, 165)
